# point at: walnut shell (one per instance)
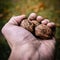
(43, 31)
(27, 25)
(36, 23)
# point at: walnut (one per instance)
(39, 30)
(36, 23)
(43, 31)
(27, 25)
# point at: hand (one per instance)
(23, 44)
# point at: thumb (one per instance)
(15, 20)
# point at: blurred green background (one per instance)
(47, 8)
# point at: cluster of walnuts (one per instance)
(37, 29)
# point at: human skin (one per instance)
(25, 46)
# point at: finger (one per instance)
(32, 16)
(45, 21)
(39, 18)
(17, 19)
(51, 24)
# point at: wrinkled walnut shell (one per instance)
(27, 25)
(43, 31)
(36, 23)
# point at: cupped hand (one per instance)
(17, 36)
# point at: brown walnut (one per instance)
(43, 31)
(27, 25)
